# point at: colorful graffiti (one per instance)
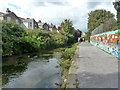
(109, 42)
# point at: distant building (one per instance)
(52, 27)
(59, 28)
(29, 23)
(10, 17)
(43, 26)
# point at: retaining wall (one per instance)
(108, 41)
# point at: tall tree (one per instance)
(98, 17)
(68, 30)
(117, 7)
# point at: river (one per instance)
(32, 70)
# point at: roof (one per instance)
(2, 14)
(41, 24)
(28, 20)
(22, 18)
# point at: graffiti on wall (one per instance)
(109, 42)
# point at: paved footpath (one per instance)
(96, 68)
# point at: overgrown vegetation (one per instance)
(88, 34)
(66, 59)
(16, 40)
(67, 56)
(117, 7)
(98, 17)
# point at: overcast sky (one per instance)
(55, 11)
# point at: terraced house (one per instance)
(43, 26)
(29, 23)
(10, 17)
(52, 27)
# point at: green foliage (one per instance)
(16, 40)
(68, 30)
(98, 17)
(67, 57)
(117, 7)
(59, 39)
(10, 32)
(117, 26)
(88, 34)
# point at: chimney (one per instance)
(39, 21)
(28, 18)
(8, 11)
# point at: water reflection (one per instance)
(35, 70)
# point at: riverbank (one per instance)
(67, 59)
(72, 75)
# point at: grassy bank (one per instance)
(65, 62)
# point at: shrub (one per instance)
(16, 40)
(67, 57)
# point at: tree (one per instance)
(98, 17)
(88, 34)
(68, 30)
(117, 7)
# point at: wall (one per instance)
(25, 25)
(1, 18)
(13, 18)
(109, 42)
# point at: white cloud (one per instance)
(55, 11)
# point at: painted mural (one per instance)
(108, 41)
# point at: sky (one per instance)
(56, 11)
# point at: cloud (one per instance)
(93, 4)
(57, 3)
(39, 4)
(55, 11)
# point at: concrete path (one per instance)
(96, 68)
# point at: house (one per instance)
(43, 26)
(10, 17)
(52, 27)
(29, 23)
(59, 28)
(40, 24)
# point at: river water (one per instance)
(32, 70)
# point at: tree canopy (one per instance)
(68, 30)
(117, 7)
(98, 17)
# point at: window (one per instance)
(17, 21)
(30, 24)
(9, 19)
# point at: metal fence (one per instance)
(105, 27)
